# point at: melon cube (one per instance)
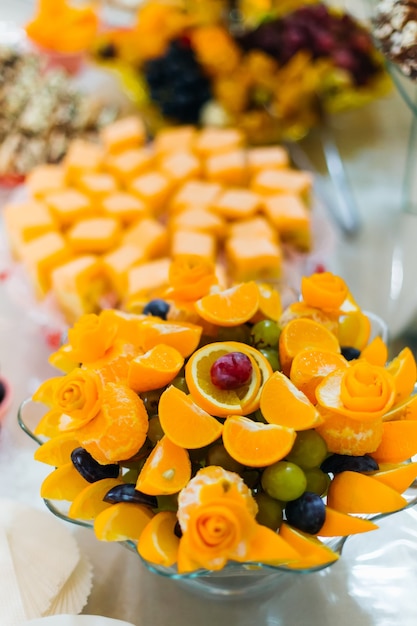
(199, 193)
(180, 166)
(97, 185)
(118, 262)
(148, 280)
(41, 256)
(174, 138)
(25, 221)
(227, 168)
(212, 140)
(291, 218)
(237, 204)
(82, 156)
(69, 205)
(79, 285)
(185, 243)
(250, 258)
(256, 227)
(123, 134)
(272, 181)
(95, 234)
(267, 157)
(128, 165)
(153, 188)
(198, 219)
(149, 235)
(45, 178)
(124, 206)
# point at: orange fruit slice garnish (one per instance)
(184, 422)
(397, 476)
(324, 290)
(312, 551)
(348, 436)
(354, 330)
(398, 442)
(190, 278)
(57, 450)
(256, 444)
(404, 370)
(270, 304)
(301, 333)
(283, 404)
(154, 369)
(122, 521)
(158, 542)
(220, 402)
(89, 502)
(166, 470)
(230, 307)
(353, 492)
(183, 336)
(311, 365)
(376, 352)
(338, 524)
(64, 483)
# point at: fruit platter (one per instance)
(222, 435)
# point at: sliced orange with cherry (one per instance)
(229, 307)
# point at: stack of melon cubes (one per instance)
(110, 217)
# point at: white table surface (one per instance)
(378, 589)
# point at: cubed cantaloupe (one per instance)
(153, 188)
(147, 280)
(41, 256)
(118, 262)
(256, 227)
(123, 134)
(251, 258)
(237, 204)
(227, 168)
(129, 164)
(271, 181)
(199, 219)
(291, 217)
(180, 166)
(97, 185)
(149, 235)
(194, 193)
(24, 221)
(45, 178)
(82, 156)
(174, 138)
(95, 234)
(186, 242)
(266, 157)
(212, 140)
(124, 206)
(70, 205)
(79, 285)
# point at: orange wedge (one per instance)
(256, 444)
(338, 524)
(64, 483)
(57, 451)
(354, 330)
(397, 476)
(301, 333)
(158, 543)
(376, 352)
(267, 546)
(89, 502)
(398, 442)
(230, 307)
(183, 336)
(270, 304)
(347, 436)
(154, 369)
(122, 521)
(312, 551)
(405, 410)
(283, 404)
(166, 470)
(404, 370)
(184, 422)
(311, 365)
(353, 492)
(220, 402)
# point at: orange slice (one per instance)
(283, 404)
(158, 543)
(122, 521)
(338, 524)
(57, 451)
(354, 330)
(404, 370)
(270, 304)
(184, 422)
(154, 369)
(353, 492)
(376, 352)
(89, 502)
(398, 442)
(64, 483)
(183, 336)
(311, 365)
(346, 436)
(301, 333)
(256, 444)
(312, 551)
(166, 470)
(398, 476)
(220, 402)
(267, 546)
(230, 307)
(405, 410)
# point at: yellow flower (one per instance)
(91, 336)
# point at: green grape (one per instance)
(168, 503)
(309, 449)
(272, 355)
(241, 333)
(265, 334)
(317, 481)
(179, 383)
(269, 511)
(284, 481)
(155, 432)
(151, 400)
(252, 478)
(218, 455)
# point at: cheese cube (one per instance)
(194, 193)
(153, 188)
(198, 219)
(174, 138)
(124, 206)
(41, 256)
(95, 234)
(237, 204)
(149, 235)
(228, 168)
(185, 243)
(25, 221)
(148, 280)
(291, 218)
(123, 134)
(69, 205)
(97, 185)
(118, 262)
(129, 164)
(256, 227)
(212, 140)
(272, 181)
(267, 157)
(250, 258)
(82, 156)
(180, 166)
(45, 178)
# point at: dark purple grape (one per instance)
(2, 391)
(307, 513)
(128, 493)
(90, 469)
(336, 463)
(350, 353)
(157, 307)
(231, 371)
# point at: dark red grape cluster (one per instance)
(323, 33)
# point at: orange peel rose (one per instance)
(76, 397)
(91, 336)
(190, 278)
(362, 391)
(324, 290)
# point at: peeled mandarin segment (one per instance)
(398, 443)
(267, 546)
(57, 450)
(399, 477)
(376, 352)
(310, 366)
(353, 492)
(158, 543)
(89, 502)
(282, 403)
(313, 553)
(230, 307)
(300, 333)
(154, 369)
(406, 410)
(270, 305)
(182, 336)
(354, 330)
(256, 444)
(184, 422)
(122, 521)
(338, 524)
(64, 483)
(324, 290)
(216, 401)
(347, 436)
(404, 370)
(166, 470)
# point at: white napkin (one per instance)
(41, 569)
(77, 620)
